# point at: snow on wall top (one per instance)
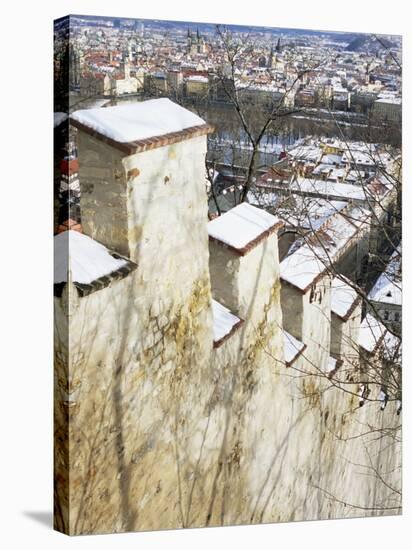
(388, 287)
(137, 121)
(223, 321)
(89, 260)
(291, 347)
(301, 267)
(58, 118)
(343, 297)
(331, 364)
(371, 333)
(242, 225)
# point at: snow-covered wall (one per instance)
(345, 334)
(165, 429)
(141, 345)
(307, 318)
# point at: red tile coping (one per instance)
(71, 225)
(154, 142)
(299, 353)
(69, 167)
(252, 244)
(352, 308)
(314, 281)
(218, 343)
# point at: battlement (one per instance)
(174, 334)
(142, 126)
(244, 259)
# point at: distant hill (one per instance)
(368, 42)
(119, 22)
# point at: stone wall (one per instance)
(345, 334)
(307, 317)
(103, 193)
(157, 429)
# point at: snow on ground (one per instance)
(291, 347)
(223, 321)
(342, 296)
(89, 260)
(241, 225)
(132, 122)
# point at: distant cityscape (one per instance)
(348, 73)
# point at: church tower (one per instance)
(125, 66)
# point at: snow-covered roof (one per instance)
(388, 287)
(301, 268)
(303, 212)
(292, 347)
(224, 322)
(137, 121)
(308, 262)
(197, 78)
(331, 159)
(306, 152)
(322, 168)
(328, 188)
(242, 227)
(373, 333)
(87, 259)
(343, 297)
(391, 100)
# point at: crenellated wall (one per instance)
(156, 426)
(345, 335)
(307, 316)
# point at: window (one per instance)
(312, 295)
